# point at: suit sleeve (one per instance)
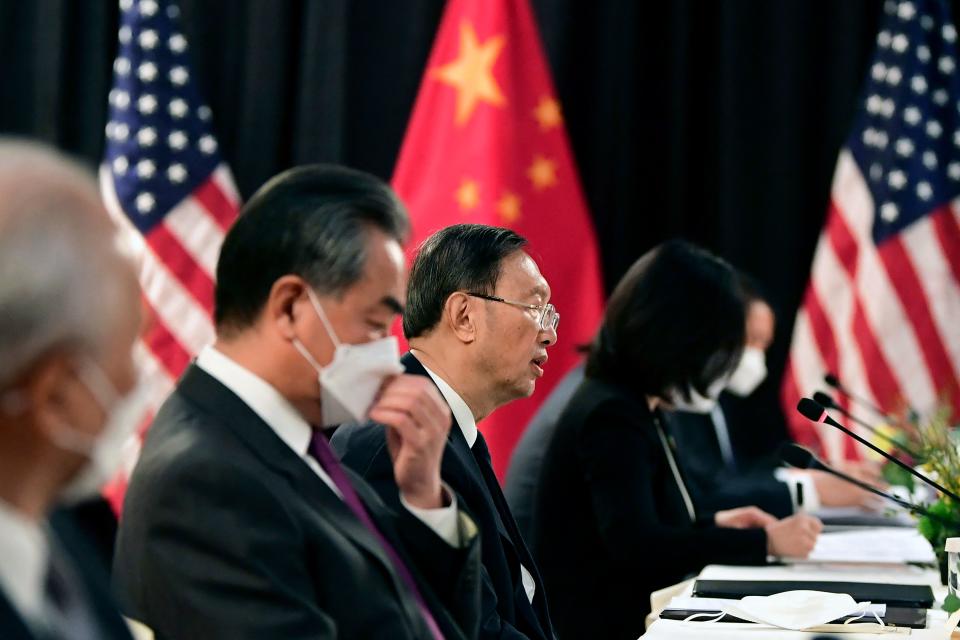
(768, 493)
(490, 623)
(241, 582)
(377, 470)
(617, 455)
(452, 573)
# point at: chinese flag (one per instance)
(487, 144)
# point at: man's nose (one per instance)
(548, 337)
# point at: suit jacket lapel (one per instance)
(231, 413)
(462, 462)
(458, 460)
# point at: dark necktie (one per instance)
(67, 615)
(482, 455)
(320, 449)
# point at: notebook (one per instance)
(909, 596)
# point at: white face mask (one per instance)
(698, 403)
(105, 451)
(749, 373)
(795, 610)
(349, 384)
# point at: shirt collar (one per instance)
(24, 558)
(260, 396)
(461, 412)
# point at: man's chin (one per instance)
(518, 390)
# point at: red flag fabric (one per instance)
(487, 144)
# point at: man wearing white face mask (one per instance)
(69, 315)
(239, 521)
(723, 475)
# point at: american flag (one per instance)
(163, 180)
(882, 309)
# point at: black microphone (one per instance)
(815, 412)
(834, 382)
(830, 403)
(801, 458)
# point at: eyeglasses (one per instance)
(549, 318)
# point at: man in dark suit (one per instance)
(479, 324)
(239, 522)
(69, 316)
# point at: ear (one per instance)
(48, 388)
(285, 305)
(459, 314)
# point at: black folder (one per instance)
(894, 617)
(893, 595)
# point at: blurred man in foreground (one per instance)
(69, 315)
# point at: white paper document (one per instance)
(889, 574)
(885, 545)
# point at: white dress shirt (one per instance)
(264, 400)
(795, 478)
(468, 425)
(24, 558)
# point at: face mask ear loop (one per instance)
(323, 317)
(306, 354)
(99, 384)
(715, 618)
(92, 376)
(863, 613)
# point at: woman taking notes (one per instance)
(614, 518)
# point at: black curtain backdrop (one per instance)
(716, 121)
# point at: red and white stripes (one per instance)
(885, 319)
(177, 265)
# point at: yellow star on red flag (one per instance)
(468, 195)
(542, 172)
(548, 113)
(471, 73)
(509, 207)
(486, 144)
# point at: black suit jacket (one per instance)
(227, 533)
(89, 581)
(712, 483)
(611, 525)
(506, 610)
(526, 461)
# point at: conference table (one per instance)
(939, 626)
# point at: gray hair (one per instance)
(61, 271)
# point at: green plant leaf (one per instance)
(897, 476)
(951, 603)
(928, 528)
